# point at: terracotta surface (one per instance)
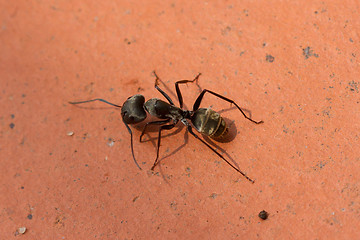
(293, 64)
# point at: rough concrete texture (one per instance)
(67, 171)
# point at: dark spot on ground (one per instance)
(308, 52)
(270, 58)
(263, 215)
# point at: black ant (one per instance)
(205, 120)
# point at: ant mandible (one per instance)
(205, 120)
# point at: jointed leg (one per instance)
(200, 97)
(165, 127)
(178, 92)
(192, 133)
(160, 90)
(152, 123)
(97, 99)
(131, 143)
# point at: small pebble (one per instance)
(20, 231)
(111, 143)
(263, 215)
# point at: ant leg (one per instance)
(196, 136)
(151, 123)
(131, 143)
(200, 97)
(160, 90)
(178, 92)
(164, 127)
(96, 99)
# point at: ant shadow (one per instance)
(230, 136)
(155, 128)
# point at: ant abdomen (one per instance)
(209, 123)
(133, 110)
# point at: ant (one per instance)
(205, 120)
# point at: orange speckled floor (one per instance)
(67, 171)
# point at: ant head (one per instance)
(133, 110)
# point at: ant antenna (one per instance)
(96, 99)
(112, 104)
